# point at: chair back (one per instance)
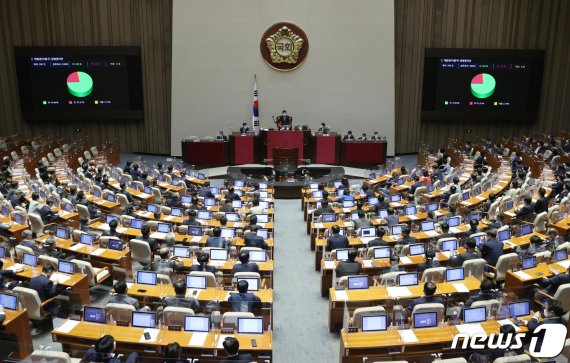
(157, 194)
(543, 256)
(441, 240)
(44, 260)
(562, 294)
(49, 356)
(522, 358)
(120, 312)
(210, 277)
(175, 315)
(492, 306)
(430, 307)
(31, 300)
(371, 310)
(475, 268)
(83, 211)
(20, 250)
(505, 263)
(390, 278)
(36, 223)
(86, 269)
(540, 222)
(122, 199)
(163, 279)
(229, 319)
(140, 251)
(434, 274)
(418, 193)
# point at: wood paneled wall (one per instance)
(506, 24)
(144, 23)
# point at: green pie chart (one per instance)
(483, 85)
(80, 84)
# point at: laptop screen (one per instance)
(340, 192)
(474, 315)
(382, 213)
(87, 239)
(96, 192)
(428, 226)
(228, 233)
(94, 315)
(314, 186)
(250, 325)
(342, 254)
(454, 221)
(215, 190)
(374, 323)
(196, 282)
(262, 218)
(61, 233)
(520, 308)
(152, 208)
(144, 320)
(262, 185)
(317, 194)
(137, 223)
(68, 207)
(183, 252)
(382, 252)
(257, 256)
(264, 204)
(410, 210)
(176, 212)
(475, 217)
(337, 184)
(146, 278)
(417, 249)
(449, 245)
(197, 324)
(263, 194)
(561, 255)
(396, 230)
(348, 204)
(454, 274)
(395, 198)
(373, 200)
(201, 176)
(147, 190)
(465, 195)
(408, 279)
(503, 235)
(9, 301)
(20, 219)
(432, 207)
(425, 320)
(2, 252)
(110, 218)
(372, 176)
(252, 283)
(239, 183)
(354, 216)
(204, 215)
(357, 282)
(262, 232)
(115, 244)
(368, 232)
(232, 217)
(186, 199)
(164, 228)
(508, 205)
(65, 267)
(218, 254)
(111, 198)
(528, 262)
(208, 202)
(30, 260)
(526, 229)
(194, 231)
(236, 203)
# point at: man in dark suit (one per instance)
(112, 232)
(45, 212)
(445, 231)
(232, 195)
(252, 226)
(486, 293)
(336, 240)
(245, 265)
(244, 301)
(362, 221)
(216, 240)
(553, 315)
(349, 267)
(227, 207)
(551, 284)
(471, 252)
(382, 204)
(27, 241)
(121, 297)
(406, 238)
(180, 300)
(391, 218)
(253, 240)
(492, 249)
(221, 137)
(368, 193)
(526, 213)
(136, 173)
(191, 221)
(231, 346)
(428, 298)
(348, 137)
(202, 265)
(541, 204)
(46, 288)
(244, 129)
(285, 120)
(378, 241)
(325, 208)
(204, 191)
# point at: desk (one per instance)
(326, 149)
(17, 331)
(519, 282)
(84, 335)
(271, 139)
(15, 228)
(244, 149)
(562, 226)
(205, 152)
(378, 295)
(363, 153)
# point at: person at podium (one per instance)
(348, 137)
(284, 121)
(244, 129)
(324, 129)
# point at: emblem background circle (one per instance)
(265, 53)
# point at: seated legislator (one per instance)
(324, 208)
(191, 221)
(324, 129)
(227, 207)
(284, 120)
(486, 293)
(244, 129)
(173, 354)
(256, 208)
(231, 346)
(166, 264)
(391, 218)
(552, 315)
(376, 137)
(216, 240)
(428, 298)
(112, 232)
(244, 301)
(45, 212)
(379, 240)
(145, 231)
(252, 226)
(350, 266)
(120, 296)
(492, 249)
(406, 238)
(245, 265)
(221, 137)
(429, 262)
(180, 300)
(336, 241)
(362, 221)
(471, 252)
(103, 352)
(251, 239)
(232, 195)
(551, 284)
(202, 265)
(46, 288)
(348, 137)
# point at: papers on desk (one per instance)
(15, 267)
(412, 217)
(396, 291)
(523, 275)
(169, 218)
(104, 226)
(340, 295)
(346, 210)
(76, 246)
(158, 235)
(510, 244)
(198, 339)
(408, 336)
(446, 253)
(405, 260)
(330, 265)
(367, 263)
(479, 198)
(460, 287)
(431, 233)
(196, 239)
(122, 229)
(365, 240)
(217, 263)
(221, 339)
(145, 214)
(63, 213)
(454, 230)
(565, 263)
(466, 202)
(508, 322)
(67, 327)
(153, 335)
(144, 195)
(396, 204)
(98, 251)
(437, 213)
(470, 329)
(59, 278)
(319, 225)
(262, 225)
(129, 285)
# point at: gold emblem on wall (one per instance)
(284, 46)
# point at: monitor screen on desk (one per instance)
(186, 199)
(257, 256)
(528, 262)
(239, 183)
(425, 320)
(146, 278)
(164, 228)
(382, 252)
(152, 208)
(218, 254)
(264, 194)
(348, 203)
(87, 239)
(475, 315)
(215, 190)
(475, 216)
(176, 212)
(147, 190)
(201, 176)
(428, 226)
(395, 198)
(30, 260)
(354, 216)
(417, 249)
(382, 213)
(372, 176)
(449, 245)
(137, 223)
(197, 324)
(252, 283)
(454, 221)
(410, 211)
(561, 255)
(526, 229)
(115, 244)
(183, 252)
(328, 217)
(264, 204)
(314, 186)
(111, 198)
(9, 301)
(236, 203)
(374, 323)
(337, 184)
(20, 218)
(61, 233)
(228, 233)
(262, 186)
(430, 188)
(317, 194)
(109, 218)
(65, 267)
(263, 232)
(94, 315)
(203, 214)
(97, 192)
(196, 282)
(144, 320)
(519, 308)
(368, 232)
(373, 200)
(263, 218)
(503, 235)
(432, 207)
(342, 254)
(5, 210)
(194, 231)
(339, 192)
(408, 279)
(508, 205)
(357, 282)
(250, 325)
(2, 252)
(232, 217)
(397, 230)
(209, 202)
(465, 195)
(454, 274)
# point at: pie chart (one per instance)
(483, 85)
(79, 84)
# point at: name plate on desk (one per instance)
(352, 330)
(174, 328)
(227, 330)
